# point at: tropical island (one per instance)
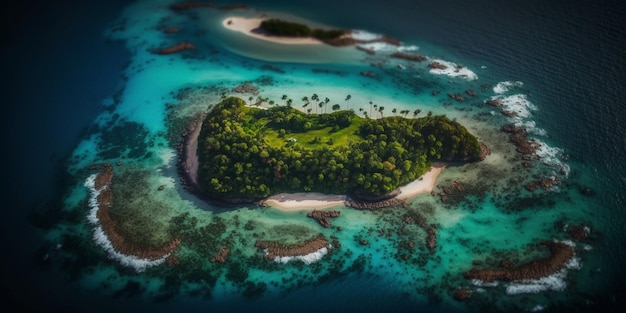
(247, 153)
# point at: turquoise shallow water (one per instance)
(137, 128)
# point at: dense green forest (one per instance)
(252, 153)
(283, 28)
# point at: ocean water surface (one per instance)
(85, 88)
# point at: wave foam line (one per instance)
(307, 259)
(503, 87)
(453, 70)
(103, 241)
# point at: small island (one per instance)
(286, 32)
(247, 153)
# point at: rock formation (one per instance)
(578, 232)
(561, 253)
(462, 294)
(323, 217)
(518, 138)
(120, 244)
(456, 96)
(175, 48)
(543, 183)
(221, 256)
(410, 57)
(493, 102)
(276, 249)
(437, 65)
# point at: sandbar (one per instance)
(248, 26)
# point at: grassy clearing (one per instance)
(307, 139)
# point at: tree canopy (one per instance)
(252, 153)
(289, 29)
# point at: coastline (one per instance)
(248, 27)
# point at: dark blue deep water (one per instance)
(58, 67)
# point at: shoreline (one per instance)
(250, 27)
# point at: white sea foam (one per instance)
(363, 35)
(554, 282)
(503, 87)
(103, 241)
(551, 156)
(454, 70)
(519, 104)
(531, 127)
(538, 308)
(480, 283)
(379, 47)
(407, 48)
(307, 258)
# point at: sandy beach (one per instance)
(248, 25)
(304, 201)
(315, 201)
(425, 184)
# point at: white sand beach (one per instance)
(247, 25)
(309, 201)
(425, 184)
(304, 201)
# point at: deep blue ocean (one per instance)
(62, 71)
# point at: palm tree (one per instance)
(381, 109)
(326, 100)
(309, 111)
(289, 101)
(370, 108)
(394, 111)
(335, 106)
(305, 99)
(315, 98)
(416, 112)
(284, 97)
(348, 97)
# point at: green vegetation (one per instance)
(283, 28)
(252, 153)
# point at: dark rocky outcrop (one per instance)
(277, 249)
(543, 183)
(359, 200)
(462, 294)
(221, 256)
(410, 57)
(578, 232)
(323, 217)
(109, 226)
(437, 65)
(493, 102)
(456, 96)
(561, 253)
(518, 138)
(175, 48)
